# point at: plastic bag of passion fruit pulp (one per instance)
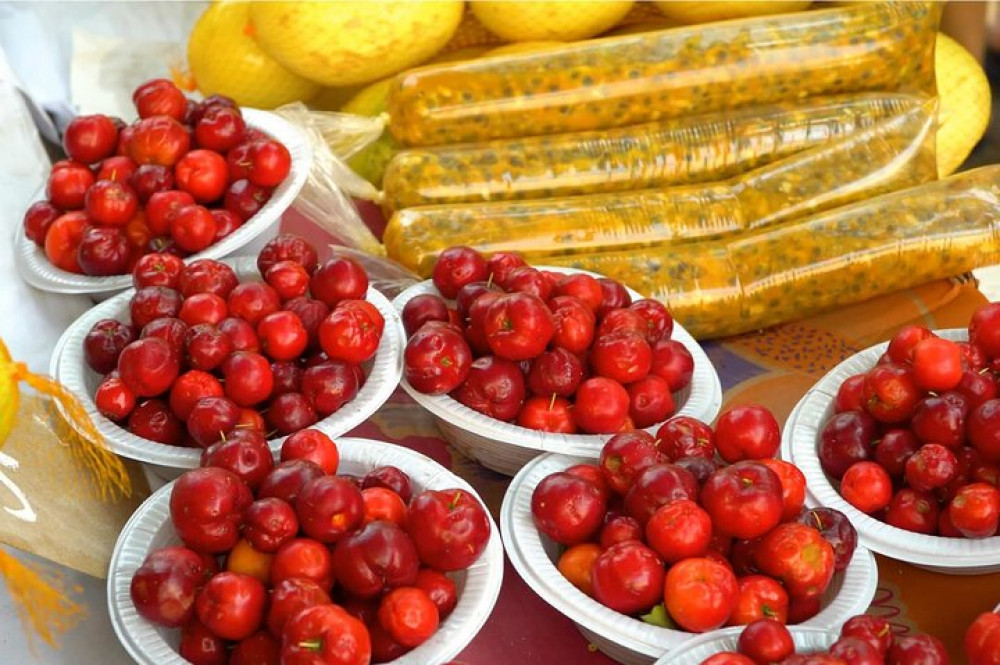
(895, 152)
(817, 263)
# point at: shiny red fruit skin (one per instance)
(700, 594)
(623, 356)
(159, 97)
(584, 287)
(799, 557)
(624, 456)
(567, 508)
(743, 499)
(351, 334)
(890, 393)
(375, 559)
(158, 140)
(289, 597)
(456, 267)
(673, 362)
(982, 640)
(231, 605)
(287, 247)
(684, 436)
(766, 641)
(206, 507)
(261, 648)
(104, 343)
(163, 589)
(243, 452)
(494, 387)
(601, 406)
(337, 279)
(90, 138)
(148, 367)
(656, 486)
(436, 360)
(761, 597)
(984, 329)
(331, 637)
(747, 432)
(518, 326)
(450, 528)
(922, 648)
(37, 220)
(200, 646)
(329, 508)
(628, 577)
(547, 415)
(303, 558)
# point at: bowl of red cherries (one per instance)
(514, 360)
(199, 354)
(904, 438)
(862, 639)
(201, 179)
(350, 552)
(685, 532)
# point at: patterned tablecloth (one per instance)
(773, 367)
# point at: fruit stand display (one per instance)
(688, 273)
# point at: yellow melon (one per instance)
(349, 43)
(224, 59)
(549, 21)
(705, 12)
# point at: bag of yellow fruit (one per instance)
(43, 457)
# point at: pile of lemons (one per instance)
(340, 56)
(265, 54)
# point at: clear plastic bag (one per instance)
(895, 153)
(621, 81)
(660, 154)
(325, 197)
(832, 259)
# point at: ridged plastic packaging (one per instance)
(832, 259)
(893, 154)
(630, 79)
(679, 151)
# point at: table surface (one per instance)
(772, 367)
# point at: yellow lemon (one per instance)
(549, 21)
(706, 12)
(963, 103)
(347, 43)
(224, 59)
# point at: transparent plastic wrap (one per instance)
(658, 154)
(325, 197)
(892, 154)
(621, 81)
(832, 259)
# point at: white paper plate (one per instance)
(36, 270)
(505, 448)
(70, 368)
(960, 556)
(697, 649)
(149, 528)
(623, 638)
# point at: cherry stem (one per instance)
(311, 645)
(552, 401)
(454, 501)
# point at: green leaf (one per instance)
(658, 617)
